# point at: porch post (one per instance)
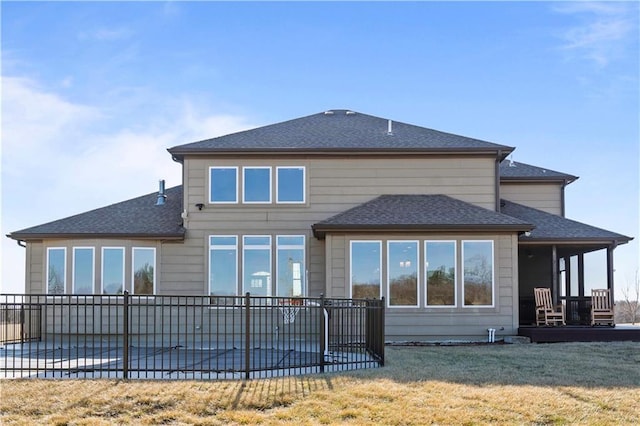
(610, 267)
(554, 274)
(581, 275)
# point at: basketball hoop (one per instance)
(290, 309)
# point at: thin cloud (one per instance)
(59, 160)
(603, 32)
(106, 34)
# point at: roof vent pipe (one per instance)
(390, 127)
(161, 195)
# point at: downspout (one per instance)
(564, 185)
(497, 180)
(21, 243)
(610, 267)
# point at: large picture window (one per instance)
(402, 270)
(144, 265)
(366, 269)
(256, 185)
(112, 270)
(83, 270)
(440, 273)
(291, 265)
(56, 270)
(478, 281)
(256, 265)
(223, 185)
(223, 265)
(290, 185)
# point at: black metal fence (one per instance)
(200, 337)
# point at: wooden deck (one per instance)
(577, 333)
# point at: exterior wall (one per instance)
(35, 268)
(545, 196)
(435, 323)
(37, 261)
(333, 185)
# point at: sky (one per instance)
(93, 93)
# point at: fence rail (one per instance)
(203, 337)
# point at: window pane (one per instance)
(440, 272)
(144, 261)
(224, 185)
(257, 185)
(83, 271)
(257, 266)
(365, 269)
(291, 185)
(291, 267)
(113, 270)
(56, 260)
(257, 241)
(223, 266)
(478, 272)
(403, 273)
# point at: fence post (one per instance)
(247, 334)
(381, 332)
(322, 333)
(125, 336)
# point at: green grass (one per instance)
(572, 383)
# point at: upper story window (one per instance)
(290, 185)
(256, 185)
(223, 185)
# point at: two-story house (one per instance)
(340, 203)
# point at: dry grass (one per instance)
(577, 383)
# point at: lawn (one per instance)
(562, 383)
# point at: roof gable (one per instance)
(136, 218)
(339, 130)
(419, 212)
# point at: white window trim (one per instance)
(351, 265)
(133, 271)
(223, 247)
(304, 256)
(304, 185)
(46, 275)
(493, 274)
(211, 168)
(124, 268)
(389, 305)
(93, 270)
(455, 275)
(244, 169)
(257, 247)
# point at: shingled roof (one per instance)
(513, 170)
(418, 212)
(339, 131)
(136, 218)
(553, 228)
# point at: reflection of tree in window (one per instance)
(441, 286)
(477, 280)
(143, 280)
(55, 282)
(365, 270)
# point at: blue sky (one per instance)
(94, 92)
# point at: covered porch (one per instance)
(553, 255)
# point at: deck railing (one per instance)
(200, 337)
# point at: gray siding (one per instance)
(333, 185)
(546, 196)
